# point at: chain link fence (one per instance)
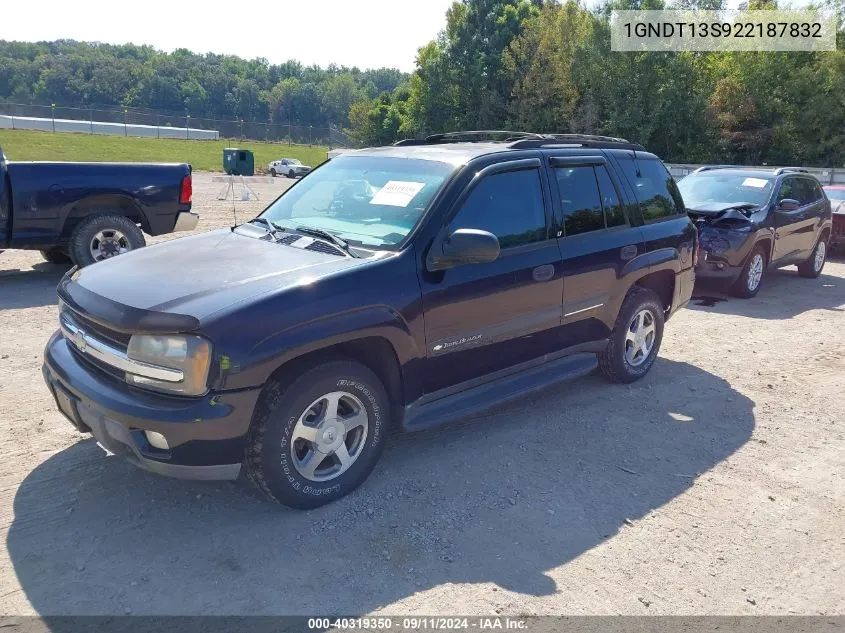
(163, 124)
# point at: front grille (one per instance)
(119, 339)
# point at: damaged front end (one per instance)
(726, 234)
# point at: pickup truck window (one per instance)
(509, 205)
(654, 187)
(372, 201)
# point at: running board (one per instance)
(431, 411)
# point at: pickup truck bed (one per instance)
(86, 212)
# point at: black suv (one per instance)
(751, 219)
(399, 286)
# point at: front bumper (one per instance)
(206, 436)
(186, 221)
(716, 270)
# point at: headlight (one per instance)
(187, 353)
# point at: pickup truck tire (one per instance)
(273, 172)
(636, 337)
(108, 235)
(317, 438)
(291, 174)
(56, 256)
(751, 278)
(814, 266)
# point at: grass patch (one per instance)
(203, 155)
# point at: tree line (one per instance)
(535, 65)
(82, 74)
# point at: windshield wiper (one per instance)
(329, 237)
(272, 227)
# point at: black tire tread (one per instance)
(806, 269)
(79, 250)
(272, 397)
(740, 287)
(606, 357)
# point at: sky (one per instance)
(363, 33)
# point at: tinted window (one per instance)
(789, 189)
(614, 214)
(655, 189)
(579, 199)
(509, 205)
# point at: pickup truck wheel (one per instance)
(273, 173)
(751, 278)
(102, 237)
(316, 439)
(291, 174)
(635, 340)
(813, 267)
(56, 256)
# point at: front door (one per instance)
(481, 318)
(795, 233)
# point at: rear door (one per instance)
(597, 240)
(482, 318)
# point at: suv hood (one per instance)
(716, 209)
(191, 278)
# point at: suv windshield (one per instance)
(708, 187)
(372, 201)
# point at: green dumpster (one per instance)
(238, 162)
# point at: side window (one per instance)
(654, 187)
(579, 199)
(509, 205)
(788, 190)
(614, 214)
(811, 191)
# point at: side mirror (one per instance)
(788, 204)
(463, 246)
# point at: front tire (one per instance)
(636, 337)
(751, 278)
(56, 256)
(814, 266)
(104, 236)
(317, 438)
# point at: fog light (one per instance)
(720, 266)
(157, 440)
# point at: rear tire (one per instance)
(317, 438)
(291, 174)
(814, 266)
(751, 278)
(56, 256)
(103, 236)
(636, 337)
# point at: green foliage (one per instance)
(212, 86)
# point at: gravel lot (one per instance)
(713, 486)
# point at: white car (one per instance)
(289, 167)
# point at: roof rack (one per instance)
(524, 140)
(709, 167)
(783, 170)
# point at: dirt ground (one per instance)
(713, 486)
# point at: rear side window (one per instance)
(509, 205)
(579, 199)
(614, 214)
(654, 187)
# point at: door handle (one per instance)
(544, 272)
(628, 252)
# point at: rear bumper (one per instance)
(837, 233)
(186, 221)
(206, 436)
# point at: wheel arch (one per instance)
(103, 205)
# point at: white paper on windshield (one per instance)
(397, 193)
(757, 183)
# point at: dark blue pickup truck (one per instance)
(87, 212)
(399, 286)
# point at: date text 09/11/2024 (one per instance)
(419, 623)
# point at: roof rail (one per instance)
(783, 170)
(523, 140)
(709, 167)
